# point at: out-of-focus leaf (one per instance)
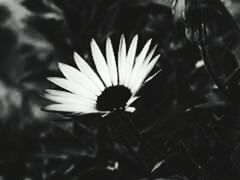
(26, 49)
(235, 157)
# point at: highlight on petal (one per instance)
(150, 55)
(130, 109)
(138, 75)
(143, 74)
(100, 63)
(152, 76)
(87, 70)
(122, 59)
(139, 62)
(144, 51)
(74, 75)
(65, 97)
(69, 108)
(111, 62)
(72, 87)
(130, 59)
(132, 100)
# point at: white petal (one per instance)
(74, 75)
(87, 70)
(132, 100)
(111, 62)
(70, 99)
(152, 64)
(152, 76)
(100, 63)
(130, 109)
(143, 74)
(150, 55)
(73, 87)
(121, 59)
(144, 51)
(130, 59)
(60, 93)
(66, 94)
(140, 67)
(69, 108)
(104, 113)
(139, 61)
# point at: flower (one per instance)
(113, 86)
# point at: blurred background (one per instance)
(182, 113)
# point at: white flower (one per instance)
(113, 87)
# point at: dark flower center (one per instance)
(113, 98)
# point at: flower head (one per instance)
(112, 87)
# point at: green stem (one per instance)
(206, 59)
(129, 124)
(101, 143)
(139, 162)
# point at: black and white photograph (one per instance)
(119, 90)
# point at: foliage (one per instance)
(187, 124)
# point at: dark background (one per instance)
(181, 113)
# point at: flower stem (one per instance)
(128, 123)
(101, 143)
(139, 161)
(205, 56)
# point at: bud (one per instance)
(199, 17)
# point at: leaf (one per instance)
(235, 157)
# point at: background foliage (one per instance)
(192, 127)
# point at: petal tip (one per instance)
(93, 42)
(60, 65)
(50, 79)
(76, 56)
